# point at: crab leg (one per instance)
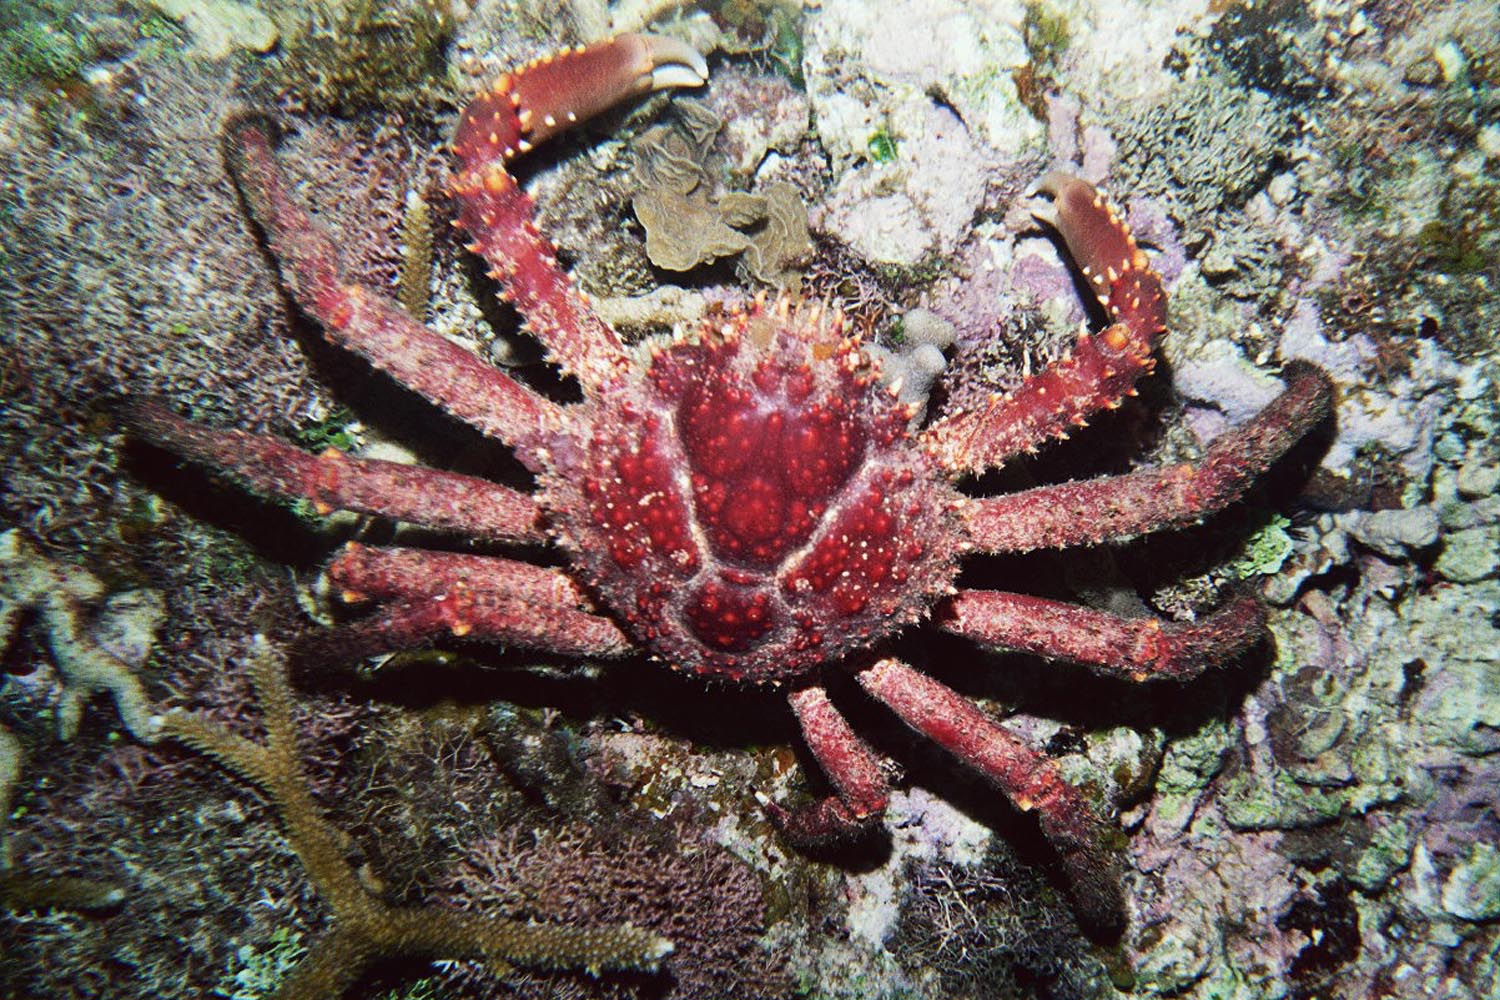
(1030, 780)
(1102, 367)
(438, 594)
(1137, 648)
(365, 322)
(335, 481)
(483, 618)
(1122, 507)
(849, 765)
(363, 573)
(522, 108)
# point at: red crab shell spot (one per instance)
(855, 559)
(756, 516)
(722, 428)
(800, 384)
(727, 618)
(626, 554)
(641, 511)
(820, 449)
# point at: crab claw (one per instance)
(555, 92)
(1105, 250)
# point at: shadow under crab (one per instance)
(746, 503)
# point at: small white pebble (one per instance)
(1489, 141)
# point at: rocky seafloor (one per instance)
(1316, 182)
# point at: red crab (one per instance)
(746, 502)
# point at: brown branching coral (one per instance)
(699, 895)
(365, 928)
(416, 256)
(10, 775)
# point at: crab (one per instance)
(745, 502)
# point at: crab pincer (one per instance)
(549, 95)
(521, 108)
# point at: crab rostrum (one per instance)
(746, 501)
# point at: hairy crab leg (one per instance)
(476, 615)
(850, 766)
(525, 107)
(492, 618)
(362, 572)
(434, 595)
(365, 322)
(1121, 507)
(1136, 648)
(333, 480)
(1099, 371)
(1029, 779)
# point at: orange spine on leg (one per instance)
(1100, 370)
(553, 93)
(1106, 252)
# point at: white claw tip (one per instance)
(674, 63)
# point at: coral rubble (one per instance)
(95, 657)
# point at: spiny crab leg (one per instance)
(1029, 779)
(366, 323)
(433, 595)
(523, 108)
(1098, 372)
(1113, 508)
(1136, 648)
(495, 618)
(366, 573)
(849, 764)
(333, 480)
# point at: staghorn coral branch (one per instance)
(364, 928)
(11, 759)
